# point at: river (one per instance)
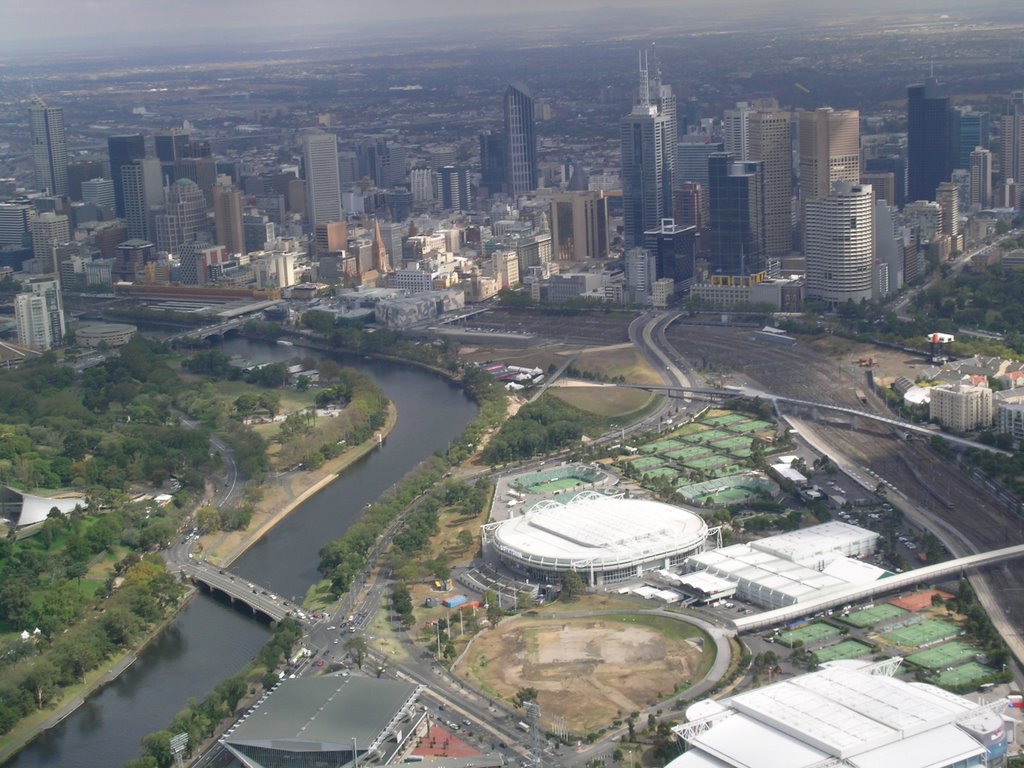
(209, 640)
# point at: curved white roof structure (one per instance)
(598, 532)
(27, 509)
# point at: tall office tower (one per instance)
(99, 192)
(883, 183)
(770, 140)
(690, 206)
(692, 159)
(398, 202)
(123, 150)
(894, 163)
(665, 100)
(330, 237)
(323, 186)
(48, 231)
(735, 130)
(736, 196)
(981, 178)
(933, 141)
(348, 167)
(83, 170)
(520, 140)
(171, 145)
(132, 257)
(974, 132)
(198, 148)
(648, 158)
(421, 181)
(1011, 151)
(454, 188)
(829, 148)
(888, 250)
(839, 244)
(674, 249)
(183, 217)
(579, 225)
(442, 156)
(640, 274)
(49, 148)
(39, 314)
(492, 161)
(392, 233)
(258, 230)
(227, 218)
(141, 192)
(201, 170)
(15, 219)
(947, 195)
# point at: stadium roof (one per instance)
(324, 714)
(599, 530)
(847, 712)
(28, 509)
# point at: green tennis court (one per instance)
(740, 453)
(725, 418)
(752, 426)
(725, 470)
(561, 484)
(809, 635)
(971, 673)
(916, 635)
(688, 429)
(733, 442)
(869, 617)
(647, 462)
(668, 472)
(847, 649)
(945, 655)
(708, 462)
(686, 453)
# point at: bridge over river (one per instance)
(256, 597)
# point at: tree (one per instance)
(158, 746)
(524, 695)
(464, 539)
(41, 680)
(208, 520)
(356, 647)
(572, 585)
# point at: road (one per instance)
(232, 486)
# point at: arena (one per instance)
(607, 539)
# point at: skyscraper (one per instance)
(829, 147)
(492, 161)
(674, 249)
(171, 145)
(454, 187)
(736, 197)
(947, 195)
(770, 140)
(579, 225)
(49, 148)
(735, 130)
(48, 231)
(520, 141)
(649, 149)
(39, 314)
(183, 217)
(933, 139)
(974, 131)
(839, 244)
(692, 159)
(1011, 152)
(141, 193)
(123, 150)
(99, 192)
(981, 178)
(323, 184)
(227, 218)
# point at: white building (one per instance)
(961, 407)
(506, 268)
(662, 291)
(840, 246)
(981, 179)
(39, 314)
(412, 279)
(323, 182)
(99, 192)
(640, 274)
(849, 713)
(422, 182)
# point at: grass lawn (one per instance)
(613, 402)
(620, 360)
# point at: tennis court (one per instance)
(970, 674)
(923, 633)
(945, 655)
(668, 472)
(809, 635)
(689, 429)
(708, 462)
(724, 471)
(754, 425)
(740, 453)
(733, 442)
(847, 649)
(560, 484)
(725, 418)
(869, 617)
(686, 453)
(647, 462)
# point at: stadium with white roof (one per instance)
(849, 713)
(607, 539)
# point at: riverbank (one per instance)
(286, 493)
(283, 493)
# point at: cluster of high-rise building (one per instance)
(759, 205)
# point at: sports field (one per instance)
(847, 649)
(726, 496)
(709, 462)
(971, 673)
(945, 655)
(869, 617)
(664, 445)
(561, 484)
(724, 471)
(560, 479)
(668, 472)
(733, 442)
(916, 635)
(687, 453)
(809, 635)
(647, 462)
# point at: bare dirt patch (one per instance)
(586, 671)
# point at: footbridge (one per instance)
(928, 574)
(752, 394)
(238, 589)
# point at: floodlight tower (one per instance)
(178, 744)
(532, 709)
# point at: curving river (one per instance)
(209, 640)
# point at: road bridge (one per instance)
(257, 598)
(211, 330)
(752, 394)
(928, 574)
